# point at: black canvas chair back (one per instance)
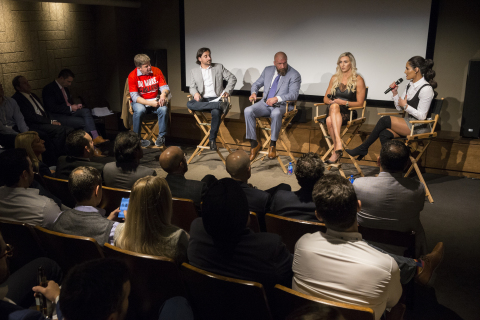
(435, 108)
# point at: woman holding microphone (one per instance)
(415, 102)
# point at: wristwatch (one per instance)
(347, 104)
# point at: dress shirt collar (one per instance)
(419, 83)
(209, 67)
(59, 85)
(347, 236)
(139, 73)
(91, 209)
(390, 174)
(26, 95)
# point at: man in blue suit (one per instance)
(281, 83)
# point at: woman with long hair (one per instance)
(347, 90)
(35, 146)
(415, 102)
(147, 228)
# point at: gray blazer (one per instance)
(219, 74)
(392, 202)
(288, 86)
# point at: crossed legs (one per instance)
(334, 124)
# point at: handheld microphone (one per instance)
(396, 82)
(331, 97)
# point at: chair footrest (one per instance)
(335, 165)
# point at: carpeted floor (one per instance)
(454, 218)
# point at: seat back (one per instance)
(111, 198)
(68, 250)
(395, 238)
(288, 300)
(291, 229)
(24, 241)
(59, 188)
(184, 213)
(434, 111)
(218, 297)
(154, 280)
(254, 224)
(365, 102)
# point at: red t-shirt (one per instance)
(146, 85)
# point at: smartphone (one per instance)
(40, 299)
(123, 207)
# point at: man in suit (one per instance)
(391, 201)
(174, 163)
(80, 152)
(281, 83)
(220, 241)
(206, 87)
(148, 92)
(299, 204)
(36, 117)
(58, 103)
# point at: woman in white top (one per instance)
(415, 102)
(147, 228)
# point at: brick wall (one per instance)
(38, 39)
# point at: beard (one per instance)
(282, 72)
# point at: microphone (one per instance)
(396, 82)
(331, 97)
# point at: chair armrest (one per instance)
(355, 108)
(294, 102)
(319, 104)
(323, 116)
(390, 113)
(190, 97)
(421, 121)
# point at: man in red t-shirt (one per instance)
(145, 83)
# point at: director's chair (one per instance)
(352, 127)
(206, 125)
(420, 142)
(265, 123)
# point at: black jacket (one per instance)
(28, 111)
(54, 100)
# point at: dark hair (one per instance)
(66, 73)
(425, 66)
(225, 211)
(94, 290)
(12, 164)
(200, 52)
(309, 169)
(76, 143)
(16, 82)
(82, 184)
(394, 156)
(127, 144)
(335, 201)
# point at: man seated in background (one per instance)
(362, 274)
(126, 169)
(220, 241)
(391, 201)
(174, 163)
(86, 220)
(299, 204)
(80, 152)
(19, 202)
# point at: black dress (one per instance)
(346, 95)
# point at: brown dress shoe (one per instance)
(97, 153)
(272, 152)
(254, 152)
(99, 140)
(431, 262)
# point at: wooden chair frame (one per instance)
(205, 125)
(265, 125)
(409, 140)
(150, 124)
(183, 213)
(59, 188)
(354, 124)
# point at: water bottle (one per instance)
(351, 179)
(290, 169)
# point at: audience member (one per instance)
(360, 273)
(86, 219)
(19, 202)
(299, 204)
(36, 117)
(126, 169)
(147, 228)
(11, 120)
(80, 152)
(59, 104)
(221, 243)
(173, 161)
(31, 142)
(391, 201)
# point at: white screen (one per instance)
(245, 35)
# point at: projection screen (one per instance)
(245, 35)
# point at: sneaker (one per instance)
(145, 143)
(160, 141)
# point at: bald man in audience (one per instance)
(173, 161)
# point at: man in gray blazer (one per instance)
(391, 201)
(207, 85)
(281, 83)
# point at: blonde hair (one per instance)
(141, 59)
(148, 226)
(338, 76)
(25, 140)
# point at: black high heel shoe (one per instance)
(359, 151)
(339, 153)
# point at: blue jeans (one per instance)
(140, 109)
(214, 108)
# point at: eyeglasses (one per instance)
(8, 252)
